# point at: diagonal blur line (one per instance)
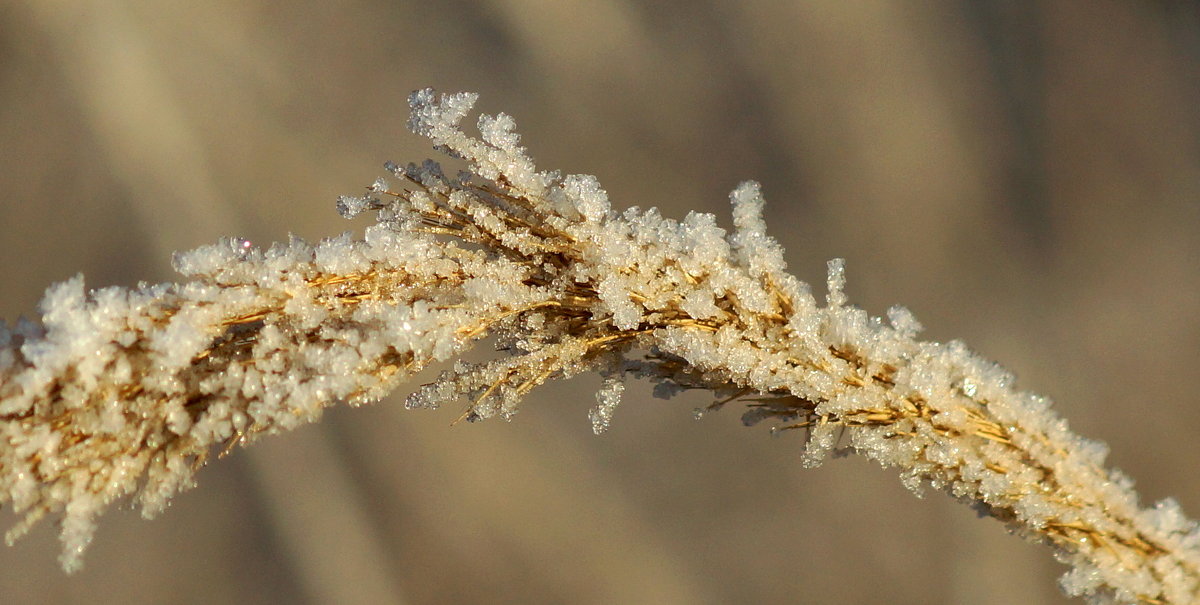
(149, 142)
(152, 147)
(321, 520)
(618, 541)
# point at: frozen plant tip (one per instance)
(117, 392)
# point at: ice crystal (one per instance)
(119, 392)
(607, 399)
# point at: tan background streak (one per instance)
(1024, 176)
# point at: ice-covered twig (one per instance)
(117, 391)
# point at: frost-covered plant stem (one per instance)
(128, 391)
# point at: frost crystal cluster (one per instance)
(129, 391)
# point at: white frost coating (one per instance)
(584, 192)
(607, 399)
(499, 131)
(124, 391)
(903, 321)
(439, 118)
(747, 200)
(835, 282)
(351, 206)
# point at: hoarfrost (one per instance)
(607, 399)
(126, 391)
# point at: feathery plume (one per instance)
(129, 391)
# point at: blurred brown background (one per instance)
(1024, 176)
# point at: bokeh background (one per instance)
(1024, 176)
